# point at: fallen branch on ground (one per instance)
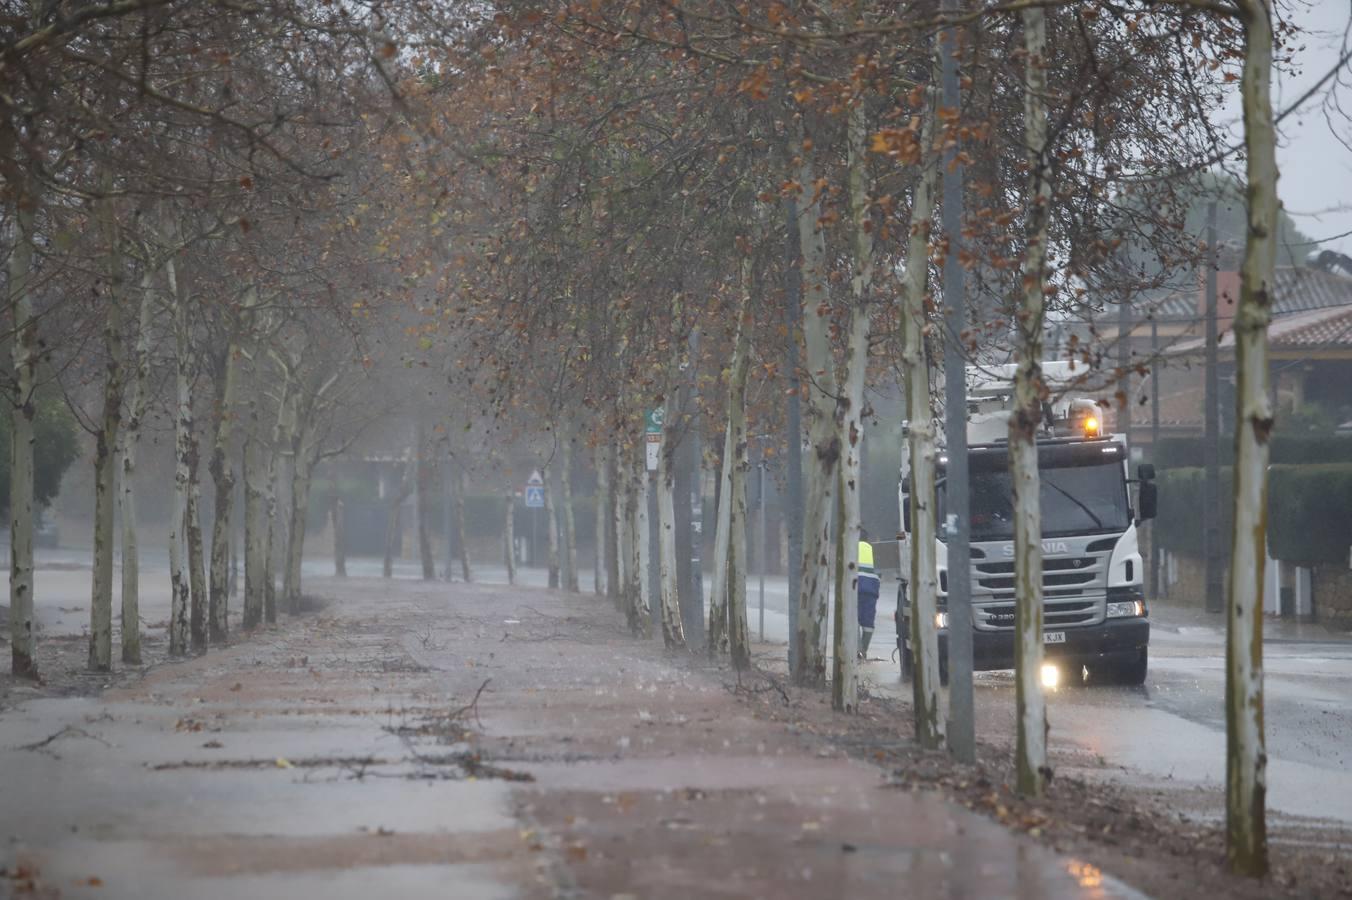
(68, 731)
(473, 705)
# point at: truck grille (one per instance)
(1068, 613)
(1074, 586)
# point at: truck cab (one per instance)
(1095, 615)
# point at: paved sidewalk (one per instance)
(470, 741)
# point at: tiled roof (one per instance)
(1297, 290)
(1314, 329)
(1308, 330)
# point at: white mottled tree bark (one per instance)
(302, 469)
(820, 470)
(223, 480)
(127, 441)
(566, 515)
(1031, 706)
(601, 556)
(734, 484)
(105, 452)
(197, 576)
(340, 539)
(621, 492)
(923, 583)
(423, 501)
(673, 633)
(24, 359)
(180, 577)
(739, 632)
(255, 530)
(1246, 754)
(640, 618)
(551, 528)
(718, 591)
(282, 428)
(394, 517)
(850, 422)
(458, 509)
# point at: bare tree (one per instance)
(1246, 756)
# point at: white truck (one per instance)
(1095, 616)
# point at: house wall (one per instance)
(1332, 589)
(1183, 582)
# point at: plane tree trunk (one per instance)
(255, 531)
(1246, 754)
(105, 452)
(130, 435)
(601, 557)
(814, 587)
(304, 460)
(509, 534)
(551, 529)
(1030, 704)
(423, 500)
(394, 522)
(457, 472)
(640, 607)
(566, 517)
(197, 576)
(735, 465)
(728, 630)
(849, 420)
(180, 578)
(24, 359)
(923, 587)
(718, 591)
(339, 538)
(673, 631)
(223, 481)
(282, 431)
(618, 535)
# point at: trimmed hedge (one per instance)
(1290, 449)
(1309, 512)
(1178, 525)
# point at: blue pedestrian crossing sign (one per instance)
(535, 491)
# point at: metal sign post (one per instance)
(652, 433)
(764, 547)
(653, 421)
(961, 711)
(1211, 524)
(446, 511)
(535, 501)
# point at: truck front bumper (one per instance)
(1116, 640)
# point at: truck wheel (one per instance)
(1133, 673)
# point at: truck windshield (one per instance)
(1081, 499)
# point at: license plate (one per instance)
(1053, 637)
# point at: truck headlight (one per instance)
(1125, 609)
(941, 620)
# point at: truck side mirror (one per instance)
(906, 514)
(1148, 499)
(1146, 471)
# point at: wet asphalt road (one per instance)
(1170, 733)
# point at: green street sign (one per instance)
(653, 421)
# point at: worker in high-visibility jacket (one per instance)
(868, 593)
